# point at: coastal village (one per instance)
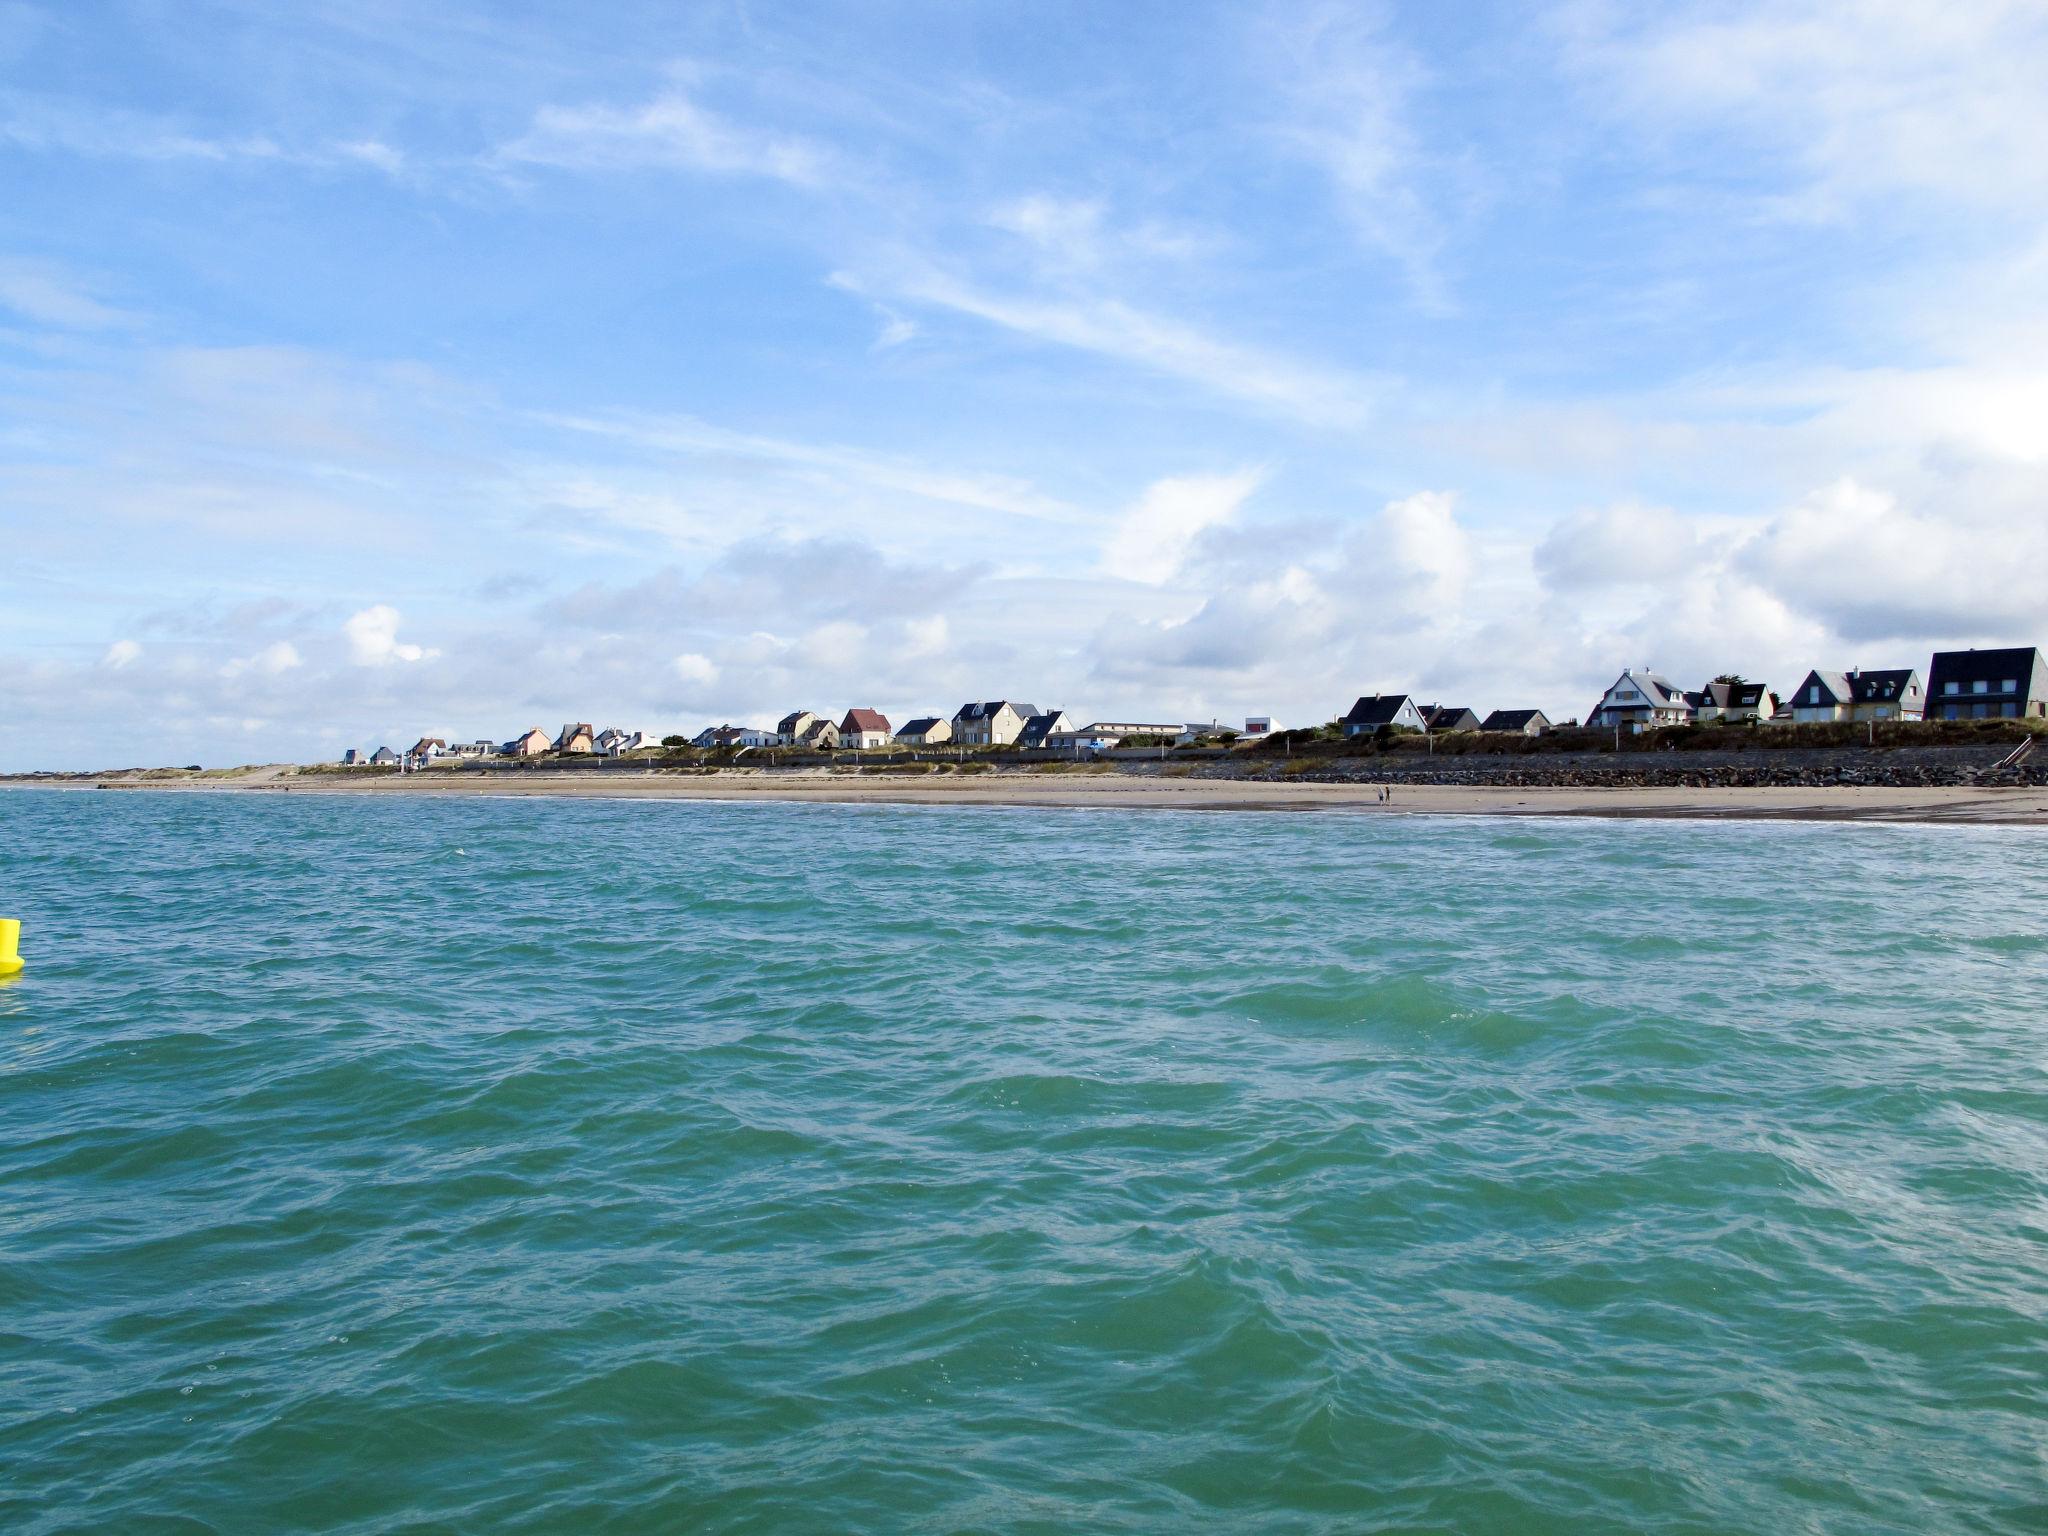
(2008, 683)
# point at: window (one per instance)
(2008, 710)
(1951, 688)
(1981, 685)
(1813, 694)
(2009, 685)
(1884, 711)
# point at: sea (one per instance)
(382, 1165)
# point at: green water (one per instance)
(387, 1166)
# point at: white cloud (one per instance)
(1423, 541)
(671, 132)
(1852, 98)
(40, 291)
(698, 671)
(280, 656)
(122, 653)
(373, 638)
(1154, 537)
(1628, 543)
(1109, 327)
(1348, 89)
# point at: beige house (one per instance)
(864, 729)
(1733, 702)
(576, 738)
(926, 731)
(532, 744)
(991, 722)
(818, 735)
(790, 728)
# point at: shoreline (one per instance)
(1921, 805)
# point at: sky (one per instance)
(372, 370)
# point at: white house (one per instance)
(733, 736)
(1394, 711)
(864, 729)
(1040, 729)
(1640, 701)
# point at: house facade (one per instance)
(1895, 694)
(794, 724)
(990, 722)
(1732, 702)
(925, 731)
(1640, 701)
(1988, 685)
(353, 758)
(1039, 729)
(383, 757)
(576, 738)
(1257, 726)
(864, 729)
(713, 737)
(1396, 711)
(1521, 722)
(532, 744)
(816, 735)
(1101, 735)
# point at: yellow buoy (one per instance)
(10, 945)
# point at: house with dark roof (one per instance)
(353, 758)
(817, 735)
(576, 738)
(1448, 717)
(925, 731)
(1732, 702)
(383, 757)
(532, 744)
(864, 728)
(1895, 694)
(1640, 701)
(1521, 722)
(1038, 730)
(991, 722)
(1396, 711)
(1988, 685)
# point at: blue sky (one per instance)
(372, 370)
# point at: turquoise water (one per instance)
(380, 1165)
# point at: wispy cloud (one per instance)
(1110, 327)
(672, 132)
(45, 292)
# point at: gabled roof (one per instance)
(919, 726)
(1038, 727)
(864, 720)
(1728, 696)
(787, 725)
(1448, 717)
(988, 709)
(1883, 687)
(1376, 709)
(1513, 719)
(1655, 687)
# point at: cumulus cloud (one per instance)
(1152, 540)
(1628, 543)
(698, 671)
(122, 653)
(373, 638)
(1425, 544)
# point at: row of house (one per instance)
(1960, 685)
(2009, 683)
(979, 723)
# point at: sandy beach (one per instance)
(2016, 806)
